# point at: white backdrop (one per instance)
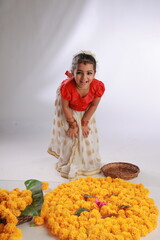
(37, 41)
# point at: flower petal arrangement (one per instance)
(18, 206)
(89, 208)
(11, 205)
(98, 209)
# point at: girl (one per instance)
(75, 140)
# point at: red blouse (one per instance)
(69, 92)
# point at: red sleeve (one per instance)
(100, 89)
(65, 93)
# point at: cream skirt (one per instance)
(78, 156)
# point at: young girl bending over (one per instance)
(75, 140)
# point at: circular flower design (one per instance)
(99, 209)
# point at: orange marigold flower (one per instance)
(45, 185)
(9, 228)
(38, 221)
(4, 236)
(129, 212)
(1, 227)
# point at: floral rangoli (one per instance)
(99, 209)
(85, 209)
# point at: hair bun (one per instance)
(87, 53)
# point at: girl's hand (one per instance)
(85, 131)
(72, 132)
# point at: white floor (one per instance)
(23, 155)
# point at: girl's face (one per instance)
(83, 75)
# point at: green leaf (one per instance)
(32, 224)
(80, 210)
(124, 206)
(35, 187)
(108, 196)
(88, 196)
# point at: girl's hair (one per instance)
(83, 58)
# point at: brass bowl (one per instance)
(120, 170)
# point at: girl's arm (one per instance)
(87, 115)
(73, 127)
(92, 108)
(67, 110)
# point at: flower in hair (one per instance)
(86, 52)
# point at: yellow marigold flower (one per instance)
(25, 193)
(95, 213)
(17, 190)
(86, 205)
(120, 237)
(73, 234)
(38, 221)
(82, 229)
(65, 224)
(63, 233)
(144, 230)
(105, 222)
(9, 228)
(59, 219)
(116, 229)
(88, 178)
(110, 236)
(121, 213)
(17, 233)
(3, 195)
(51, 221)
(92, 220)
(14, 238)
(127, 235)
(154, 209)
(124, 227)
(153, 218)
(11, 204)
(82, 236)
(135, 232)
(1, 227)
(28, 200)
(128, 213)
(45, 185)
(84, 224)
(76, 224)
(150, 201)
(16, 212)
(8, 215)
(4, 236)
(56, 230)
(21, 205)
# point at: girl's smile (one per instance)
(83, 75)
